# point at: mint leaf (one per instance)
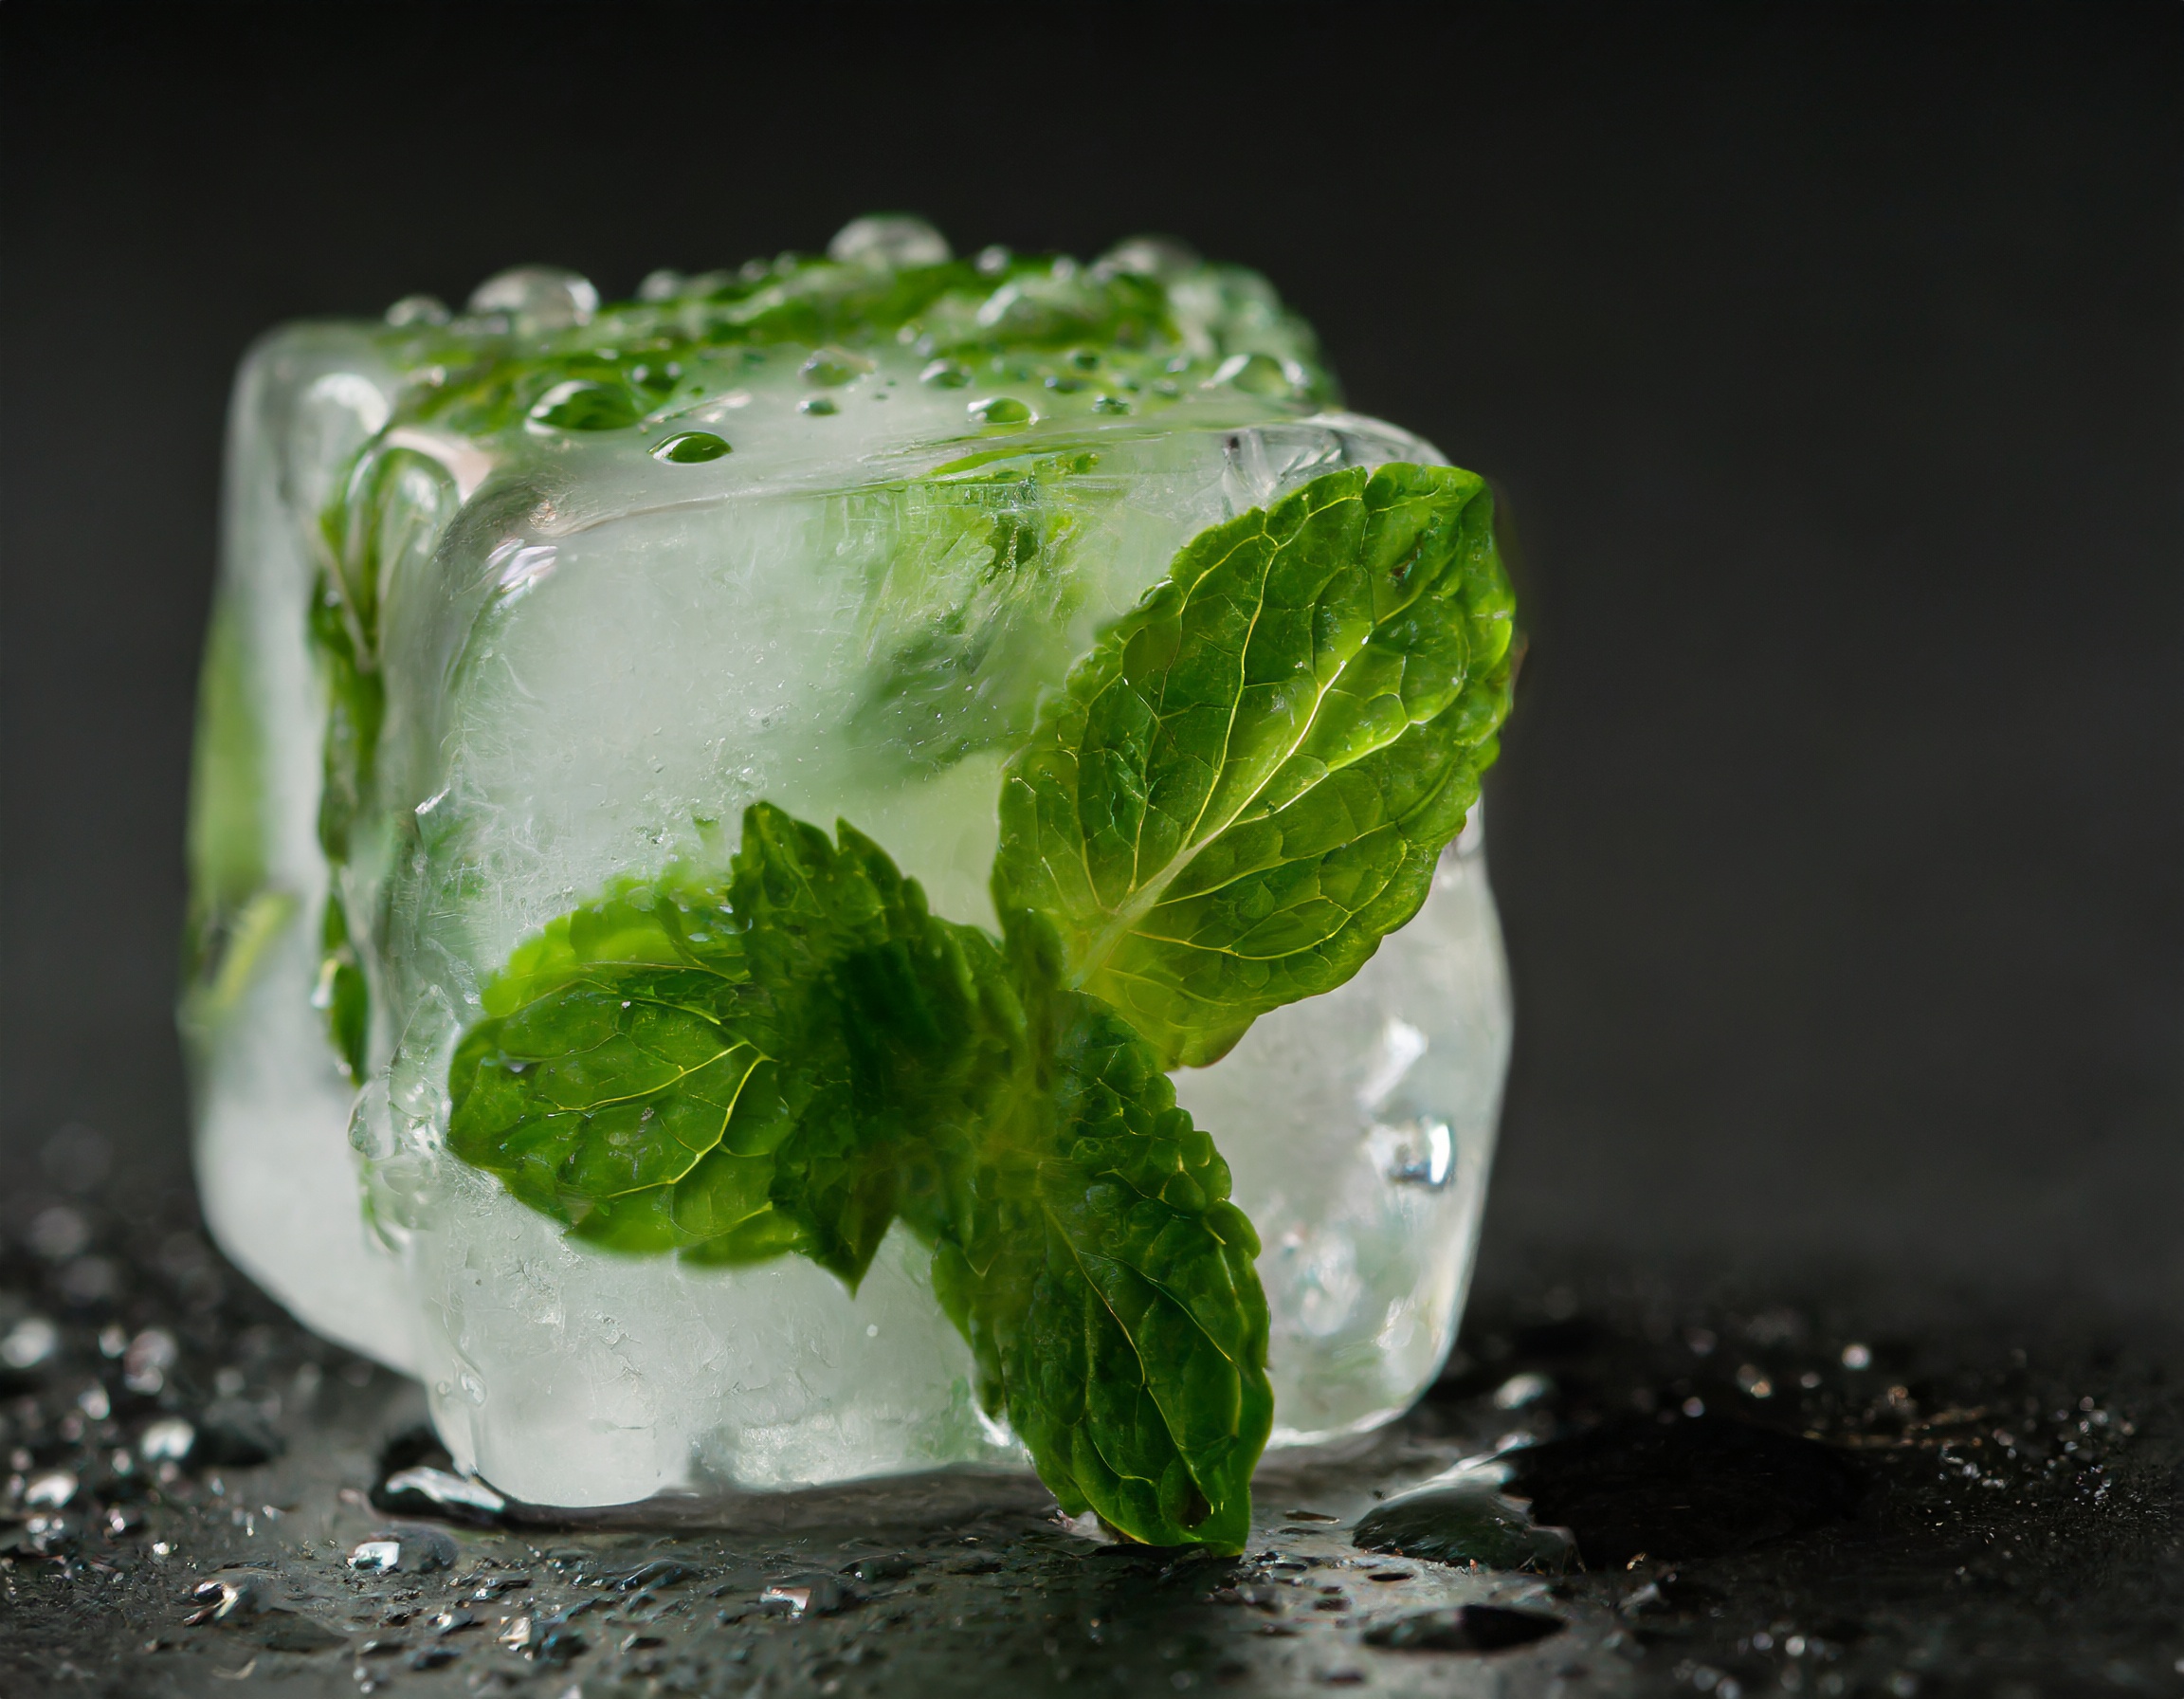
(1247, 785)
(791, 1059)
(1107, 1284)
(973, 617)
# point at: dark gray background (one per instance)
(1831, 359)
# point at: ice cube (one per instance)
(481, 648)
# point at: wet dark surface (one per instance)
(200, 1498)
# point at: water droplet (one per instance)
(691, 447)
(582, 405)
(1109, 404)
(829, 368)
(1000, 410)
(418, 309)
(51, 1490)
(167, 1440)
(1254, 373)
(946, 374)
(1149, 256)
(662, 284)
(820, 405)
(1520, 1390)
(993, 259)
(30, 1342)
(1857, 1357)
(537, 297)
(58, 1234)
(1464, 1523)
(889, 240)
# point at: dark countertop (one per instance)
(1762, 1500)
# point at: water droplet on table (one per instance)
(1465, 1522)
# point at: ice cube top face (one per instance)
(751, 793)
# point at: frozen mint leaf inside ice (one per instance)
(734, 1071)
(1247, 785)
(975, 613)
(794, 1057)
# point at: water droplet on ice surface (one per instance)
(582, 405)
(418, 309)
(691, 447)
(537, 297)
(1254, 373)
(891, 240)
(1149, 256)
(829, 368)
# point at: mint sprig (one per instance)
(1242, 790)
(795, 1058)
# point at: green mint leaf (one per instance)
(973, 617)
(1247, 785)
(793, 1058)
(1106, 1281)
(735, 1071)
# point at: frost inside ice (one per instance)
(593, 655)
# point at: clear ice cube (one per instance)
(609, 616)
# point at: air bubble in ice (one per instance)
(691, 447)
(889, 240)
(537, 297)
(1414, 1153)
(1000, 410)
(418, 309)
(30, 1342)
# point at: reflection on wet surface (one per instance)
(1610, 1492)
